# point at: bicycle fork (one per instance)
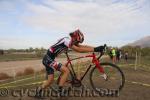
(99, 67)
(97, 63)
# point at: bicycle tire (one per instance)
(113, 66)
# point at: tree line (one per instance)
(132, 50)
(31, 49)
(38, 51)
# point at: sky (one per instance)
(40, 23)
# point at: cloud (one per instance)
(92, 16)
(12, 42)
(111, 21)
(21, 43)
(7, 6)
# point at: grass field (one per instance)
(16, 57)
(21, 57)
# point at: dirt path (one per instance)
(12, 67)
(133, 89)
(137, 86)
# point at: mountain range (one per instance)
(143, 42)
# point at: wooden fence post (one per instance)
(135, 67)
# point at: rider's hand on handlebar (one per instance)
(100, 48)
(105, 47)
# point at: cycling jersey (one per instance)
(49, 62)
(61, 46)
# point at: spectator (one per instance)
(110, 54)
(113, 55)
(126, 56)
(118, 54)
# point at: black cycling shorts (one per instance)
(50, 64)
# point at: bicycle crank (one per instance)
(76, 83)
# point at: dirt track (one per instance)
(131, 90)
(137, 86)
(12, 67)
(16, 66)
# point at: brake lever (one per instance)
(102, 52)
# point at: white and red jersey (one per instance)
(61, 46)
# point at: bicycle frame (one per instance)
(95, 61)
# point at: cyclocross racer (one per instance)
(73, 42)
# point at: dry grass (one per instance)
(4, 76)
(19, 74)
(42, 70)
(28, 71)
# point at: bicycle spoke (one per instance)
(115, 78)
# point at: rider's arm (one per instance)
(83, 48)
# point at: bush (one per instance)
(28, 71)
(39, 52)
(42, 70)
(19, 74)
(4, 76)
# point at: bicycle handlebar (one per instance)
(102, 52)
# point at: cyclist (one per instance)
(62, 45)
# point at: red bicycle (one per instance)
(102, 75)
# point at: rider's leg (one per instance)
(45, 84)
(65, 73)
(48, 82)
(114, 59)
(50, 77)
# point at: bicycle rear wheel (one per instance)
(115, 78)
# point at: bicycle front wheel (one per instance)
(112, 80)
